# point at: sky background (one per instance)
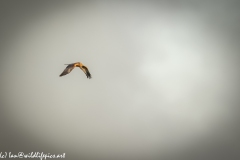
(165, 79)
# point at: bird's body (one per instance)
(71, 66)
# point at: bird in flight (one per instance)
(71, 66)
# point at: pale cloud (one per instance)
(161, 78)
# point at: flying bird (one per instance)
(71, 66)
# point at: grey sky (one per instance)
(165, 77)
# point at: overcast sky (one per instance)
(165, 79)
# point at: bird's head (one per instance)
(79, 63)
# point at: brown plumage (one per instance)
(70, 67)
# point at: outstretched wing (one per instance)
(85, 70)
(68, 69)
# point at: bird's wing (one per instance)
(85, 70)
(68, 69)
